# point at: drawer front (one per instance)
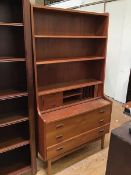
(65, 129)
(51, 101)
(69, 145)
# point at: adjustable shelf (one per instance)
(65, 60)
(11, 59)
(13, 137)
(12, 118)
(67, 86)
(17, 137)
(8, 94)
(72, 93)
(69, 37)
(11, 24)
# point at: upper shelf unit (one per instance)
(56, 23)
(69, 55)
(64, 60)
(70, 37)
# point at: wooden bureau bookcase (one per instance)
(17, 136)
(69, 62)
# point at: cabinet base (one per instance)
(49, 162)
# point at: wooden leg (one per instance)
(49, 167)
(102, 142)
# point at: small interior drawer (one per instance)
(51, 101)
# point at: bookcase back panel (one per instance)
(68, 72)
(18, 105)
(69, 48)
(19, 130)
(60, 23)
(12, 42)
(11, 11)
(12, 76)
(15, 159)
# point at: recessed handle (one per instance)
(59, 125)
(59, 149)
(59, 137)
(101, 131)
(102, 111)
(101, 121)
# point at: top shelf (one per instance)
(61, 10)
(71, 37)
(11, 24)
(61, 23)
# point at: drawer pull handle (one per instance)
(59, 126)
(101, 131)
(102, 120)
(59, 137)
(101, 111)
(59, 149)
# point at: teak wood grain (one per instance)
(83, 122)
(76, 141)
(69, 66)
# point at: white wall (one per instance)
(32, 1)
(118, 63)
(119, 50)
(67, 4)
(116, 22)
(94, 8)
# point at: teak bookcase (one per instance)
(69, 61)
(17, 136)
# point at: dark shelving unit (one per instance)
(17, 133)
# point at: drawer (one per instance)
(65, 129)
(50, 101)
(75, 142)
